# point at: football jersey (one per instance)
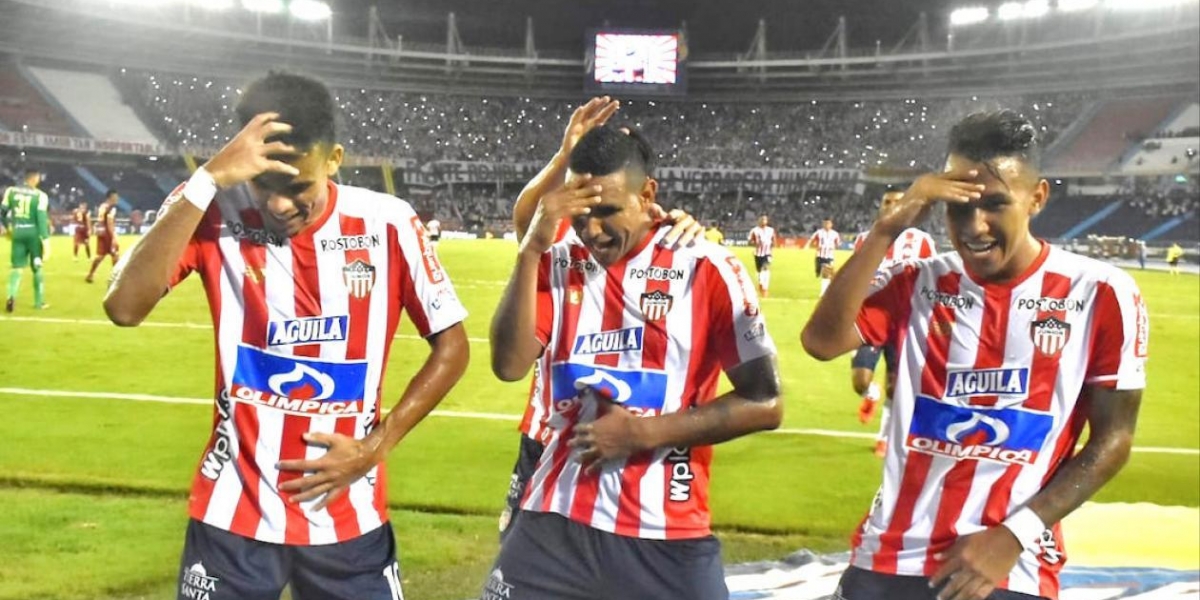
(81, 218)
(827, 241)
(303, 328)
(651, 333)
(763, 239)
(911, 244)
(434, 227)
(105, 214)
(984, 413)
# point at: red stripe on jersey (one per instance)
(345, 519)
(307, 288)
(359, 307)
(891, 541)
(293, 447)
(402, 271)
(248, 513)
(856, 539)
(207, 259)
(571, 301)
(587, 485)
(956, 485)
(689, 516)
(993, 336)
(1108, 333)
(996, 508)
(254, 296)
(941, 325)
(1043, 373)
(654, 352)
(558, 460)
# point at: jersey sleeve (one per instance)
(427, 294)
(888, 305)
(736, 327)
(42, 214)
(1120, 336)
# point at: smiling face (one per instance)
(992, 234)
(621, 221)
(289, 204)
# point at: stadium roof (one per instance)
(713, 25)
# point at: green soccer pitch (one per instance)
(103, 428)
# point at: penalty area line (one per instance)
(462, 414)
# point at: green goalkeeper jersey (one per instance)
(26, 212)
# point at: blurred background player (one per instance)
(762, 237)
(27, 221)
(1174, 253)
(106, 233)
(621, 487)
(434, 229)
(912, 244)
(827, 241)
(82, 220)
(713, 234)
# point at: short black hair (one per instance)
(302, 102)
(606, 149)
(984, 136)
(32, 171)
(111, 192)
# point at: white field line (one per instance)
(468, 415)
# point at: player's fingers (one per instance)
(606, 113)
(272, 128)
(305, 483)
(330, 497)
(312, 493)
(264, 117)
(945, 571)
(319, 438)
(296, 464)
(280, 148)
(278, 166)
(962, 587)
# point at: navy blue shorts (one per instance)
(822, 263)
(528, 455)
(762, 262)
(867, 357)
(548, 557)
(220, 565)
(861, 584)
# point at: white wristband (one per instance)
(1027, 527)
(200, 189)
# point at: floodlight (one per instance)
(969, 15)
(212, 4)
(147, 3)
(1010, 10)
(1035, 8)
(1129, 5)
(309, 10)
(1076, 5)
(263, 6)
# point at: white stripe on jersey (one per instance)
(827, 242)
(763, 239)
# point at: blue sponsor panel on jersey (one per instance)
(987, 382)
(1006, 435)
(634, 389)
(300, 385)
(609, 342)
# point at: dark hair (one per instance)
(605, 150)
(111, 192)
(983, 136)
(32, 171)
(302, 102)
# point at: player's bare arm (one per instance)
(513, 337)
(830, 330)
(594, 113)
(349, 459)
(753, 405)
(977, 563)
(138, 285)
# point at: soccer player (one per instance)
(306, 281)
(629, 337)
(434, 227)
(27, 220)
(83, 230)
(762, 238)
(594, 113)
(714, 235)
(1174, 253)
(1007, 348)
(106, 233)
(912, 244)
(826, 240)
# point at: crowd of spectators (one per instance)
(1158, 204)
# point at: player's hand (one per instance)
(684, 228)
(347, 460)
(912, 208)
(574, 198)
(249, 154)
(593, 114)
(973, 566)
(617, 434)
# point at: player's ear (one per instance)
(649, 193)
(1039, 198)
(334, 161)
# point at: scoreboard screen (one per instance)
(636, 62)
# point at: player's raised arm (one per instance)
(830, 331)
(139, 283)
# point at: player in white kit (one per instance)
(827, 241)
(762, 238)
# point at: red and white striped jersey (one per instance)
(984, 412)
(911, 244)
(763, 240)
(652, 333)
(827, 241)
(303, 327)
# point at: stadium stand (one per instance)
(94, 103)
(22, 107)
(1109, 132)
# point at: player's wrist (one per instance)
(1027, 527)
(200, 189)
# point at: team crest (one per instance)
(359, 277)
(1050, 335)
(656, 305)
